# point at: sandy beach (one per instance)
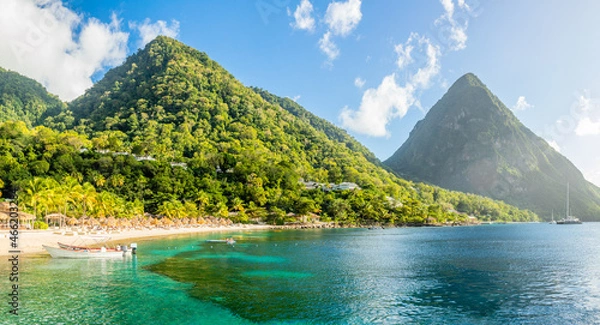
(31, 241)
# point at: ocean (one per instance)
(491, 274)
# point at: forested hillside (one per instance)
(171, 132)
(24, 99)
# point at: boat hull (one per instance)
(57, 252)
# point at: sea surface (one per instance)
(492, 274)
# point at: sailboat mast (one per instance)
(568, 211)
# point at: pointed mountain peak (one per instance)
(471, 142)
(467, 82)
(469, 79)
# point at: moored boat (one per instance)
(229, 241)
(87, 252)
(88, 247)
(569, 219)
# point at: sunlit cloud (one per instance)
(390, 100)
(56, 46)
(343, 17)
(303, 18)
(149, 30)
(553, 144)
(62, 49)
(522, 104)
(359, 82)
(328, 47)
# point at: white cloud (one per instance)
(455, 32)
(343, 17)
(59, 48)
(522, 104)
(553, 144)
(462, 4)
(585, 116)
(586, 126)
(389, 100)
(296, 98)
(328, 47)
(378, 107)
(593, 175)
(424, 75)
(303, 17)
(359, 82)
(148, 30)
(448, 7)
(403, 51)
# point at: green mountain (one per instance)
(470, 141)
(24, 99)
(171, 132)
(319, 124)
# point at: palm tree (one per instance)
(237, 204)
(203, 200)
(32, 191)
(88, 197)
(69, 192)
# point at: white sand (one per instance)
(31, 241)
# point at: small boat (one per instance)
(88, 252)
(569, 219)
(229, 241)
(552, 222)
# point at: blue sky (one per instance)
(372, 67)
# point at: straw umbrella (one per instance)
(155, 222)
(111, 222)
(124, 223)
(4, 206)
(178, 223)
(26, 218)
(4, 218)
(72, 221)
(193, 222)
(167, 222)
(102, 220)
(56, 217)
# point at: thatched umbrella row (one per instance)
(147, 222)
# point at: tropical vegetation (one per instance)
(170, 132)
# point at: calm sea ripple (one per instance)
(497, 274)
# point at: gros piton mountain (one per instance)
(470, 141)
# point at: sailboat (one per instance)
(568, 220)
(553, 222)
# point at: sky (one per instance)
(373, 68)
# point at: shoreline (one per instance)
(30, 241)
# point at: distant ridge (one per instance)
(24, 99)
(470, 141)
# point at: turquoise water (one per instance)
(500, 274)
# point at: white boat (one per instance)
(229, 241)
(82, 248)
(569, 219)
(553, 222)
(82, 252)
